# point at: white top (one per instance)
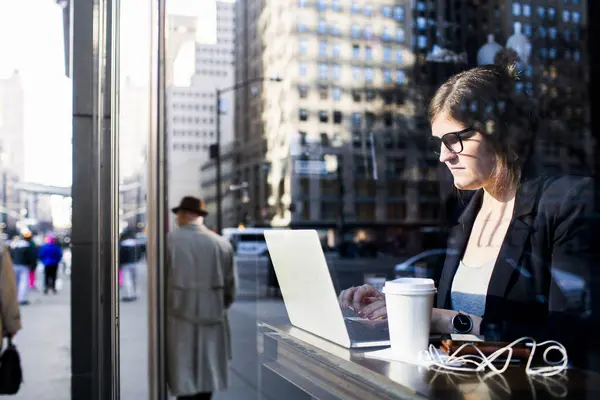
(469, 287)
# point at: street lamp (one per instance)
(215, 150)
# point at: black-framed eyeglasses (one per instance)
(452, 141)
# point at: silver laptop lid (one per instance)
(306, 284)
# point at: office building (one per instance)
(199, 64)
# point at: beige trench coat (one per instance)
(201, 285)
(10, 315)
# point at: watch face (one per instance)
(462, 323)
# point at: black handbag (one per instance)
(11, 375)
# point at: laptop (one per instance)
(309, 293)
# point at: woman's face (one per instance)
(472, 167)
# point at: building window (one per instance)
(337, 117)
(369, 74)
(324, 139)
(399, 13)
(303, 114)
(370, 95)
(400, 77)
(335, 29)
(335, 5)
(303, 69)
(386, 11)
(399, 35)
(303, 46)
(368, 32)
(303, 91)
(356, 122)
(526, 10)
(323, 116)
(323, 48)
(321, 6)
(422, 41)
(552, 53)
(355, 8)
(336, 71)
(355, 31)
(368, 53)
(516, 9)
(336, 50)
(356, 96)
(323, 92)
(576, 17)
(527, 30)
(302, 3)
(542, 32)
(368, 10)
(421, 23)
(355, 51)
(387, 54)
(552, 13)
(322, 26)
(553, 32)
(323, 71)
(301, 27)
(541, 12)
(356, 73)
(336, 93)
(387, 75)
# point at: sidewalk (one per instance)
(45, 346)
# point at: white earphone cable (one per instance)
(479, 362)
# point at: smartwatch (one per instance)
(462, 323)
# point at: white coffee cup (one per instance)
(409, 303)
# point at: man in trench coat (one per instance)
(201, 286)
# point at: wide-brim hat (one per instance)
(191, 204)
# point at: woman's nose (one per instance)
(445, 154)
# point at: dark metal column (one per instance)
(94, 294)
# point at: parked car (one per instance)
(427, 264)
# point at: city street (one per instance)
(44, 342)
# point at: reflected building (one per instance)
(198, 64)
(347, 69)
(12, 145)
(357, 78)
(555, 72)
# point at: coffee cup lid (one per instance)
(410, 286)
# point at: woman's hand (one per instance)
(358, 297)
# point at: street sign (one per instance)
(310, 167)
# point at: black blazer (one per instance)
(551, 230)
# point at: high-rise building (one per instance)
(12, 145)
(12, 125)
(198, 63)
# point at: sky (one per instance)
(31, 41)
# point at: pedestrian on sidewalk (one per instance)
(23, 252)
(130, 255)
(201, 286)
(50, 255)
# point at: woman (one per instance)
(524, 260)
